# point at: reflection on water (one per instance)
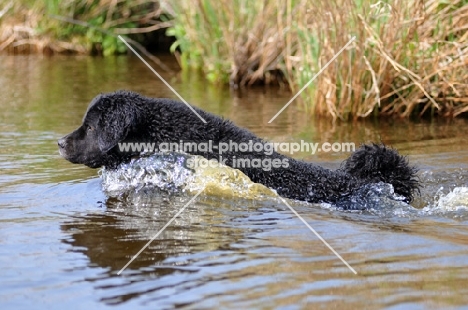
(62, 241)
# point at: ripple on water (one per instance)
(169, 172)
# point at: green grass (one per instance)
(80, 26)
(409, 57)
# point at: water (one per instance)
(63, 241)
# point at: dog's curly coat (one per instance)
(125, 116)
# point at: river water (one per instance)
(63, 241)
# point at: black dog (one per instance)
(129, 117)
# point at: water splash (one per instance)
(445, 193)
(453, 204)
(378, 199)
(169, 172)
(139, 182)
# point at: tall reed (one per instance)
(409, 57)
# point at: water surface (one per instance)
(63, 242)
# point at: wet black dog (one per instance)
(129, 117)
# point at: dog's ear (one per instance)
(115, 122)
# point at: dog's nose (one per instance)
(61, 143)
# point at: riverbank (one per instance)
(404, 58)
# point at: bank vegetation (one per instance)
(402, 58)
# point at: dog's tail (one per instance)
(378, 163)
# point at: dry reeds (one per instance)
(236, 41)
(409, 57)
(79, 26)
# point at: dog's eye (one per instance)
(89, 128)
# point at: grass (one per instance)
(409, 58)
(80, 26)
(233, 41)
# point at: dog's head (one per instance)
(107, 121)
